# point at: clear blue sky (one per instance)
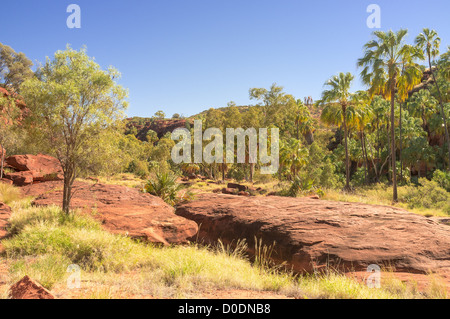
(185, 56)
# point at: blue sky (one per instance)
(187, 56)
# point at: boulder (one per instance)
(121, 210)
(44, 164)
(5, 214)
(311, 234)
(241, 188)
(39, 168)
(229, 191)
(26, 288)
(20, 178)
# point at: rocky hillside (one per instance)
(143, 125)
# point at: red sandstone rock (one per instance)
(20, 178)
(311, 234)
(241, 188)
(41, 163)
(229, 191)
(121, 210)
(33, 168)
(26, 288)
(5, 214)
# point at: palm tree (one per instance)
(293, 156)
(387, 65)
(429, 42)
(362, 118)
(338, 94)
(304, 122)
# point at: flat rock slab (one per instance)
(311, 234)
(121, 210)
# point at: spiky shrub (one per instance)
(165, 186)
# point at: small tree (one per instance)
(160, 115)
(74, 104)
(9, 115)
(15, 68)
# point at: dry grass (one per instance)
(9, 194)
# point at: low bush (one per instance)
(427, 195)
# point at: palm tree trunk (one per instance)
(447, 137)
(363, 158)
(394, 168)
(401, 141)
(347, 168)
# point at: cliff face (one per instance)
(161, 127)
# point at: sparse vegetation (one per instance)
(47, 241)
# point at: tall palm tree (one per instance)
(384, 63)
(304, 122)
(338, 93)
(428, 41)
(362, 117)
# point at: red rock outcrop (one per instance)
(20, 178)
(311, 234)
(161, 127)
(121, 210)
(33, 168)
(26, 288)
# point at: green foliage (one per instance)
(442, 179)
(41, 231)
(138, 168)
(165, 186)
(428, 195)
(15, 68)
(75, 107)
(160, 115)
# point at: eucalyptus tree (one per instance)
(388, 66)
(15, 68)
(429, 42)
(335, 101)
(74, 104)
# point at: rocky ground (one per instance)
(121, 210)
(313, 234)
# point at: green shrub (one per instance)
(139, 168)
(427, 195)
(443, 179)
(165, 185)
